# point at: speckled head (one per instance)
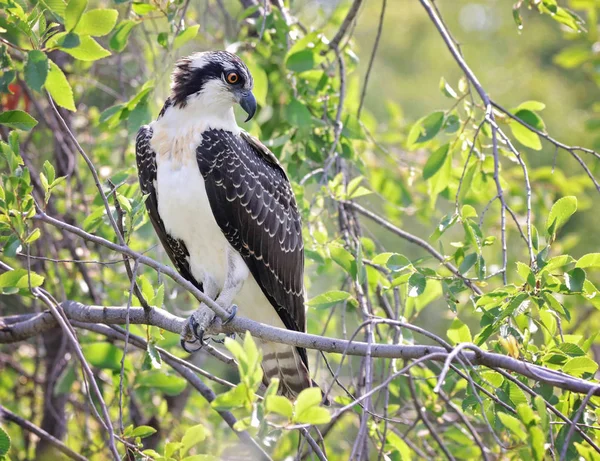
(213, 77)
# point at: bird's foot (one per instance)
(220, 339)
(195, 329)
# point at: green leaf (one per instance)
(513, 425)
(302, 61)
(468, 263)
(447, 89)
(589, 260)
(537, 440)
(193, 436)
(331, 298)
(578, 366)
(36, 69)
(142, 432)
(574, 280)
(4, 442)
(425, 129)
(233, 398)
(73, 13)
(280, 405)
(143, 8)
(105, 355)
(307, 401)
(397, 262)
(59, 88)
(459, 332)
(18, 120)
(88, 50)
(531, 105)
(525, 136)
(314, 415)
(526, 414)
(119, 39)
(65, 41)
(531, 118)
(97, 23)
(19, 278)
(560, 213)
(157, 379)
(435, 161)
(416, 285)
(297, 114)
(185, 36)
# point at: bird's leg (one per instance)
(237, 272)
(197, 324)
(204, 317)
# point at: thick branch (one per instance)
(17, 328)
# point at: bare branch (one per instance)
(42, 434)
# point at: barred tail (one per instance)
(284, 362)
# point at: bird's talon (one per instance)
(234, 310)
(183, 343)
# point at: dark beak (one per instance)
(248, 103)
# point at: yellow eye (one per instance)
(232, 77)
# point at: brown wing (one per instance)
(253, 204)
(146, 163)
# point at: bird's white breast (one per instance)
(185, 210)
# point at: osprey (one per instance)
(223, 208)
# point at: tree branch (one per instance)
(42, 434)
(18, 328)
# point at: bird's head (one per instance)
(216, 79)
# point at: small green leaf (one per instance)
(459, 332)
(143, 8)
(88, 50)
(119, 39)
(59, 88)
(513, 425)
(4, 442)
(142, 432)
(193, 436)
(525, 136)
(314, 415)
(302, 61)
(560, 213)
(159, 380)
(280, 405)
(447, 89)
(531, 118)
(435, 161)
(19, 278)
(36, 69)
(309, 399)
(185, 36)
(105, 355)
(73, 13)
(97, 23)
(331, 298)
(416, 285)
(574, 280)
(234, 398)
(18, 120)
(578, 366)
(589, 260)
(425, 129)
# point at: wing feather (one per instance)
(254, 206)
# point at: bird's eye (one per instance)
(233, 77)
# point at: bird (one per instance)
(224, 209)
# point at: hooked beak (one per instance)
(248, 103)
